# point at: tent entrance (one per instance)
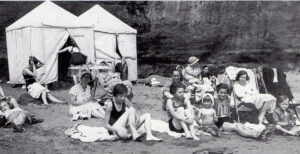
(64, 59)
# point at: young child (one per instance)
(285, 118)
(222, 104)
(207, 116)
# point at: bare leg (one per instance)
(44, 97)
(183, 125)
(131, 122)
(146, 120)
(190, 114)
(264, 110)
(295, 129)
(53, 99)
(121, 124)
(97, 114)
(278, 127)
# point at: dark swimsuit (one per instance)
(28, 79)
(171, 126)
(115, 115)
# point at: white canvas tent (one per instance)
(41, 33)
(111, 33)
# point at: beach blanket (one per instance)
(89, 134)
(96, 134)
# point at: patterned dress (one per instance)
(81, 96)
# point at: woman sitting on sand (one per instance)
(121, 118)
(35, 89)
(180, 112)
(83, 104)
(15, 116)
(249, 96)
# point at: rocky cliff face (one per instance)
(216, 32)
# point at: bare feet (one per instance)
(195, 138)
(135, 136)
(46, 105)
(188, 135)
(152, 138)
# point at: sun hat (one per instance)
(84, 72)
(193, 60)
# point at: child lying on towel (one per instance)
(15, 116)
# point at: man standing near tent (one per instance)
(122, 68)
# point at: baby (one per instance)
(207, 116)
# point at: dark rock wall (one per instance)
(217, 32)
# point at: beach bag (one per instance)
(78, 58)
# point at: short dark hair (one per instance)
(281, 99)
(174, 86)
(205, 66)
(240, 73)
(120, 89)
(35, 60)
(222, 86)
(87, 75)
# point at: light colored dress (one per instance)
(247, 94)
(81, 95)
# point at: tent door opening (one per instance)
(64, 60)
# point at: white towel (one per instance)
(89, 134)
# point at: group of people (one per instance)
(210, 112)
(212, 109)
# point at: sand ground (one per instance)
(49, 137)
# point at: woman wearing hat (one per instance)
(82, 101)
(35, 89)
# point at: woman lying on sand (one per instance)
(35, 89)
(121, 118)
(248, 130)
(15, 116)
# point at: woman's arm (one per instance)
(39, 64)
(199, 117)
(69, 49)
(239, 91)
(31, 73)
(74, 100)
(215, 116)
(107, 117)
